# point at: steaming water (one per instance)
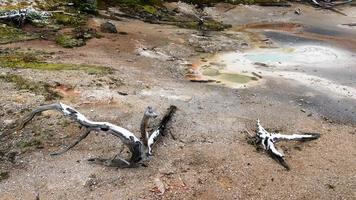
(324, 68)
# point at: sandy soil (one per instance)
(209, 157)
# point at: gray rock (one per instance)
(108, 27)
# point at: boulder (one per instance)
(108, 27)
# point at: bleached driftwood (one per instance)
(329, 4)
(268, 141)
(140, 150)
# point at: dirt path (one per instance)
(210, 158)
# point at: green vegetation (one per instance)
(132, 3)
(88, 6)
(76, 38)
(145, 9)
(153, 11)
(149, 9)
(68, 20)
(69, 41)
(32, 60)
(33, 142)
(76, 15)
(10, 34)
(17, 6)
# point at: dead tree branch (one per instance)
(140, 151)
(330, 5)
(268, 141)
(349, 24)
(161, 128)
(82, 137)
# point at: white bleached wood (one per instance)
(140, 151)
(268, 141)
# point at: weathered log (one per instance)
(268, 141)
(140, 151)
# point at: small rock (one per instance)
(160, 188)
(244, 44)
(330, 186)
(298, 148)
(91, 181)
(8, 122)
(4, 175)
(298, 11)
(122, 93)
(108, 27)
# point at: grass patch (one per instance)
(77, 37)
(103, 4)
(32, 60)
(10, 34)
(22, 144)
(68, 20)
(69, 41)
(153, 11)
(17, 6)
(149, 9)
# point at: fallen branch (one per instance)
(161, 128)
(228, 9)
(330, 5)
(336, 10)
(82, 137)
(140, 150)
(268, 141)
(257, 75)
(350, 24)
